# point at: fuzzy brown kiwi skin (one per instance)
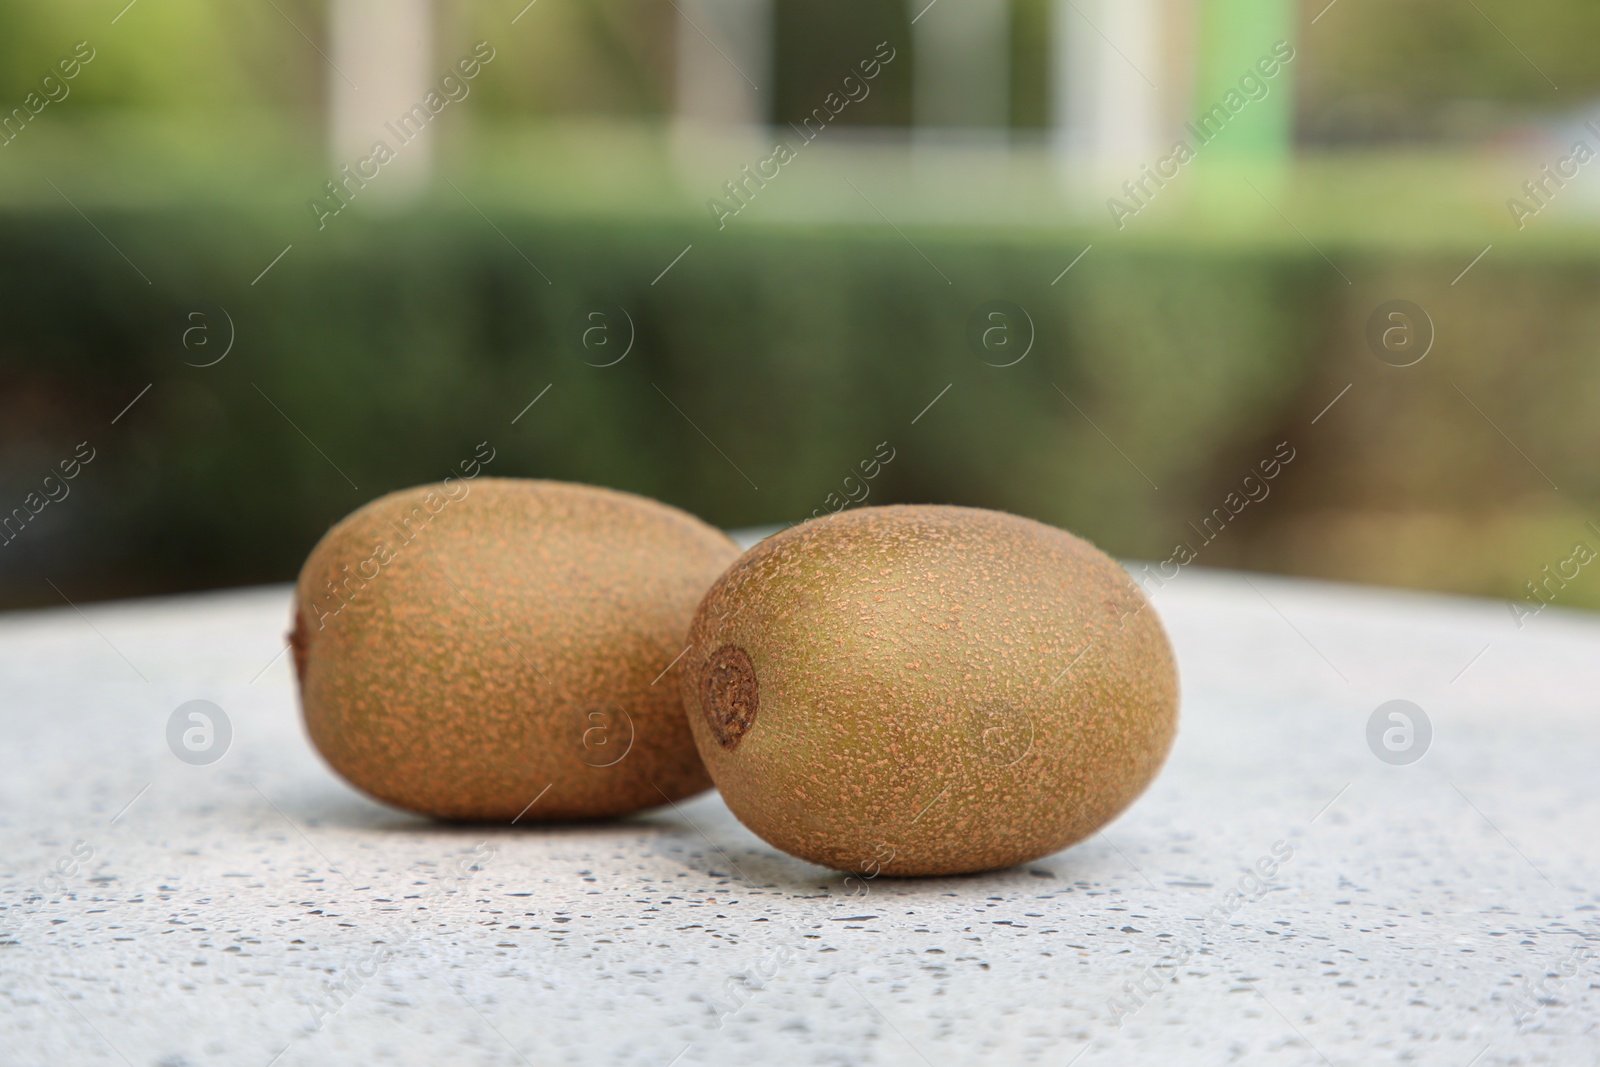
(457, 674)
(917, 702)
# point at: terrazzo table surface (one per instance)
(258, 911)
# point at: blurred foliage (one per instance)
(820, 42)
(1431, 51)
(1428, 69)
(396, 348)
(385, 348)
(1030, 64)
(804, 334)
(178, 56)
(589, 57)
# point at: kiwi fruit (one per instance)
(467, 648)
(927, 690)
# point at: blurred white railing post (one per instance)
(1109, 73)
(962, 83)
(724, 57)
(382, 52)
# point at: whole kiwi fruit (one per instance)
(467, 648)
(928, 690)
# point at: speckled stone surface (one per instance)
(258, 911)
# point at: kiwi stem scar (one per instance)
(730, 694)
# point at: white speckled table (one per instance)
(1280, 895)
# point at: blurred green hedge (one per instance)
(379, 352)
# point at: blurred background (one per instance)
(763, 258)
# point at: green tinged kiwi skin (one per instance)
(924, 690)
(462, 647)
